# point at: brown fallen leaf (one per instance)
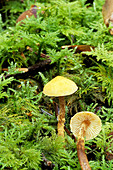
(32, 11)
(79, 48)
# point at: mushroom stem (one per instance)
(61, 116)
(81, 149)
(82, 130)
(82, 155)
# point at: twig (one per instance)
(32, 70)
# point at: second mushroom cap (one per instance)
(92, 121)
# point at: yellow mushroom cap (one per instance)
(60, 86)
(92, 121)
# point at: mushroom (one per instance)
(84, 125)
(60, 87)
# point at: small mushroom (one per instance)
(60, 87)
(84, 125)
